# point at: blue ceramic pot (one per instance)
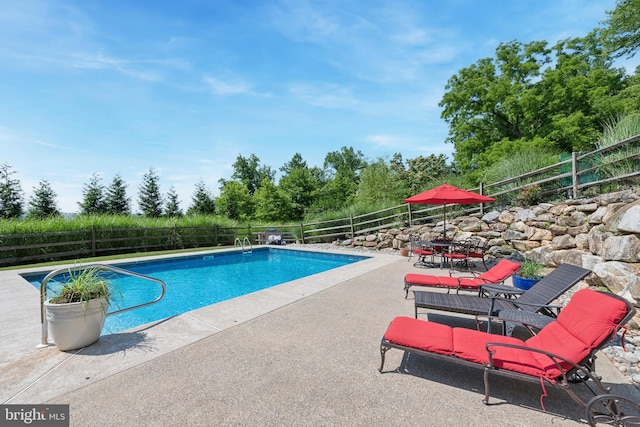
(524, 283)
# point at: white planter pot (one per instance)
(76, 324)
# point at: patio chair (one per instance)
(494, 298)
(563, 350)
(478, 250)
(496, 275)
(419, 249)
(458, 254)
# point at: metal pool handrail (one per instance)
(43, 292)
(241, 244)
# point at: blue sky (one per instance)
(184, 87)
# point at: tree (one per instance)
(43, 202)
(482, 103)
(10, 194)
(578, 95)
(299, 184)
(271, 203)
(93, 196)
(424, 170)
(345, 162)
(234, 201)
(172, 208)
(202, 201)
(116, 200)
(380, 186)
(296, 162)
(250, 173)
(149, 197)
(530, 95)
(343, 168)
(622, 32)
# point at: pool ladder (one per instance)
(245, 244)
(43, 293)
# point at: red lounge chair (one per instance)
(560, 353)
(496, 275)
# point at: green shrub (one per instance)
(531, 270)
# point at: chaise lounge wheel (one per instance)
(612, 410)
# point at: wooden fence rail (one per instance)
(568, 178)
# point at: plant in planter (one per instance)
(528, 275)
(75, 316)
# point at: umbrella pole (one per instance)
(444, 215)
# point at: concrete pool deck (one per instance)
(302, 353)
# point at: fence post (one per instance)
(353, 235)
(215, 235)
(410, 216)
(175, 235)
(482, 204)
(93, 240)
(302, 232)
(574, 173)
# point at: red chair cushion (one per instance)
(421, 335)
(554, 338)
(592, 317)
(428, 280)
(422, 252)
(584, 324)
(500, 271)
(470, 344)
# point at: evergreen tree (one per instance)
(116, 201)
(43, 202)
(10, 194)
(149, 198)
(203, 203)
(93, 198)
(299, 184)
(172, 208)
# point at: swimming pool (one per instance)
(199, 280)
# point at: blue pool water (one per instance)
(197, 281)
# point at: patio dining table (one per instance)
(438, 247)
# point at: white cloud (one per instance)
(327, 95)
(124, 66)
(383, 44)
(390, 141)
(231, 87)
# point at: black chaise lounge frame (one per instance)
(535, 300)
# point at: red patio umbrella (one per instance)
(446, 193)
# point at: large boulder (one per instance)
(472, 224)
(513, 235)
(621, 248)
(613, 274)
(627, 219)
(565, 241)
(491, 217)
